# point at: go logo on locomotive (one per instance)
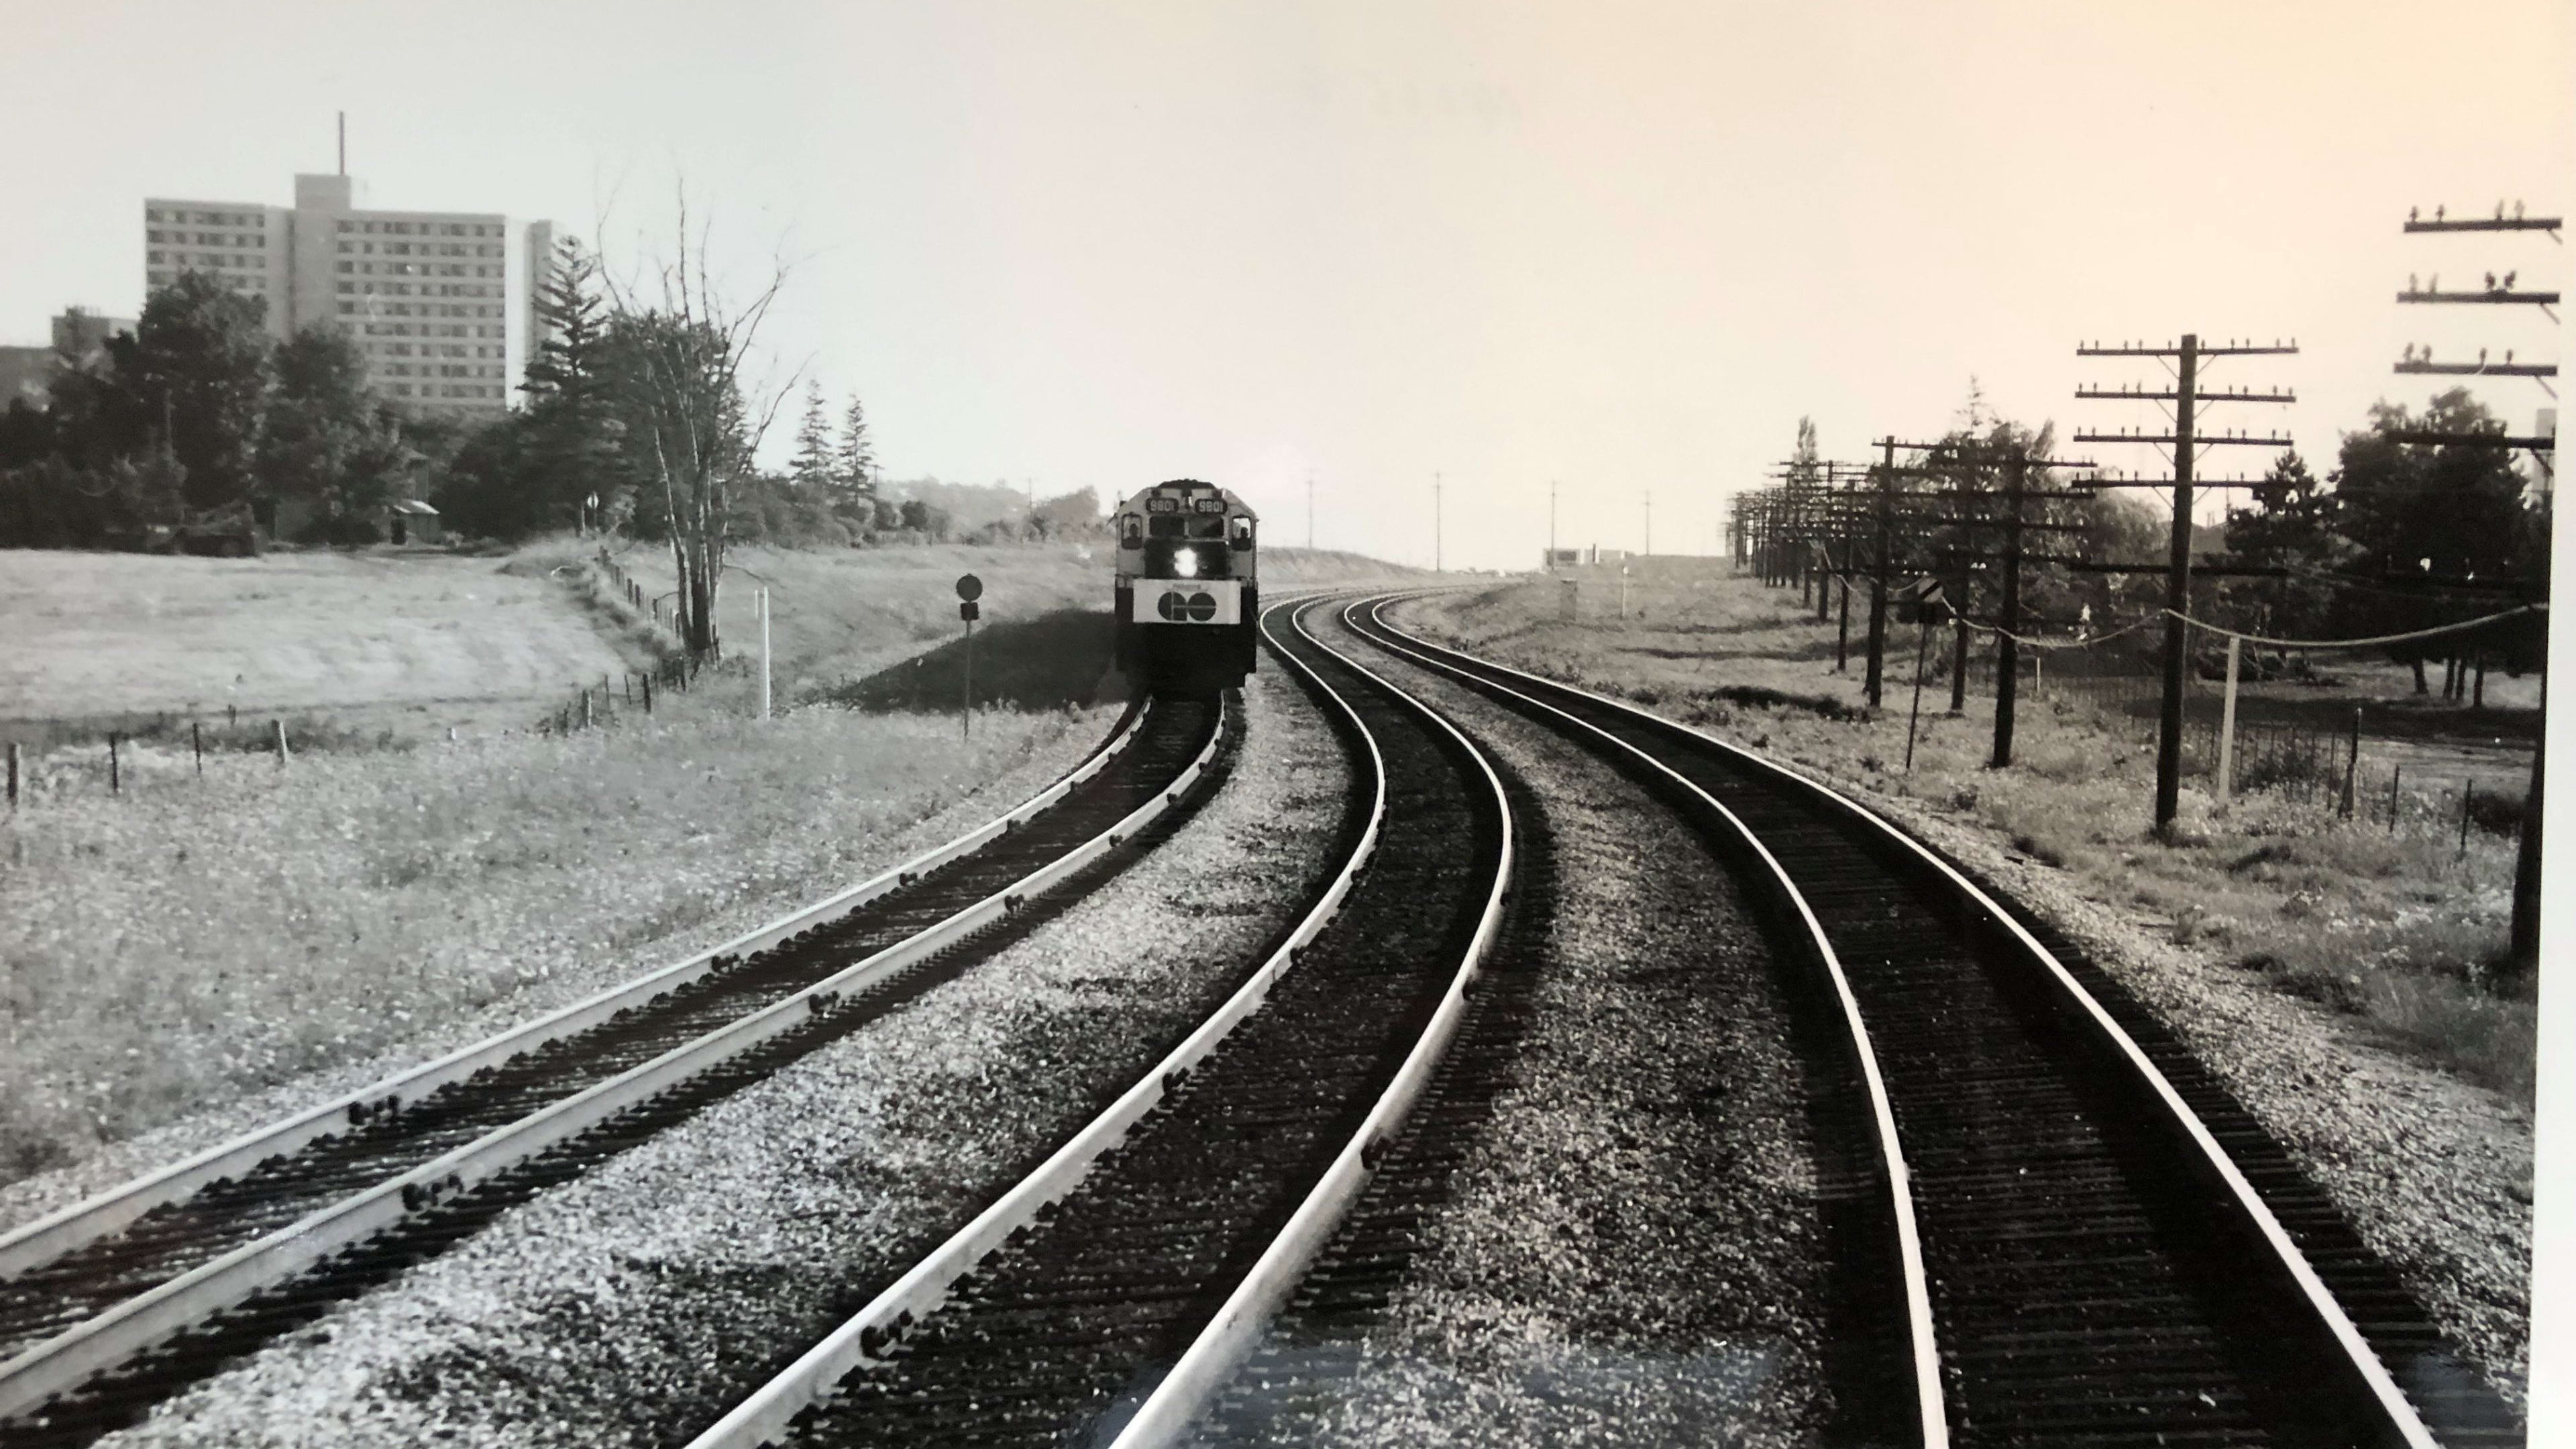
(1195, 608)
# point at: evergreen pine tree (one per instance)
(816, 465)
(855, 467)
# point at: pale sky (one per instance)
(1620, 246)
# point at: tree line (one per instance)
(2399, 536)
(637, 415)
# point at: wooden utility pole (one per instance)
(2542, 443)
(1879, 570)
(2185, 441)
(2008, 648)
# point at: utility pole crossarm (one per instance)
(2140, 395)
(2498, 297)
(2168, 483)
(2277, 349)
(2490, 440)
(2481, 369)
(2497, 223)
(2171, 440)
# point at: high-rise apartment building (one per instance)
(423, 293)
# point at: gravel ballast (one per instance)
(2434, 1173)
(637, 1303)
(1630, 1252)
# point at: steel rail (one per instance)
(1932, 1417)
(1219, 1349)
(872, 1335)
(2361, 1360)
(110, 1338)
(49, 1237)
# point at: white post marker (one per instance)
(2227, 724)
(764, 653)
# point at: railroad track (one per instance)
(2100, 1246)
(118, 1301)
(1106, 1296)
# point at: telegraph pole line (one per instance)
(1435, 523)
(2524, 940)
(2185, 440)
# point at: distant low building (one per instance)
(28, 372)
(412, 521)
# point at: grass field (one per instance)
(2400, 929)
(407, 641)
(199, 939)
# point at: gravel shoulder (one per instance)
(2435, 1173)
(1630, 1250)
(635, 1304)
(574, 978)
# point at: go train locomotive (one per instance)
(1188, 588)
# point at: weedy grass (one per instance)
(2402, 931)
(194, 941)
(421, 640)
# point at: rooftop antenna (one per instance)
(344, 143)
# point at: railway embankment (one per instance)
(2333, 973)
(641, 1301)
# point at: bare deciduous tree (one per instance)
(680, 351)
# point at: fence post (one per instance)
(1922, 642)
(2227, 724)
(2395, 774)
(648, 691)
(585, 706)
(2468, 792)
(232, 721)
(279, 726)
(115, 777)
(197, 746)
(2352, 762)
(13, 774)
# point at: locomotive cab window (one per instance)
(1207, 528)
(1135, 529)
(1242, 531)
(1166, 525)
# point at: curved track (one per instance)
(2112, 1251)
(1108, 1293)
(123, 1299)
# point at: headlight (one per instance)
(1185, 563)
